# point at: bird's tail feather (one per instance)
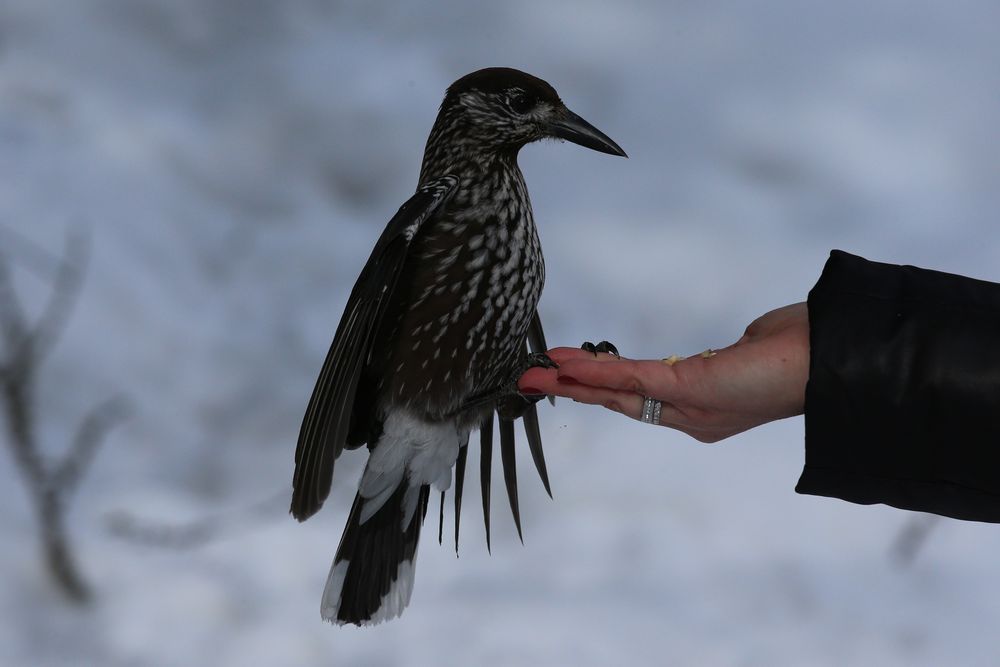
(371, 577)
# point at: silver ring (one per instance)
(651, 409)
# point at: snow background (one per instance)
(234, 162)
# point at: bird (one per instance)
(433, 338)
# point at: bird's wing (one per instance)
(328, 417)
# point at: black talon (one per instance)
(540, 360)
(536, 341)
(609, 348)
(603, 346)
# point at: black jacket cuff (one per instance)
(903, 400)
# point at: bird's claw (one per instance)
(539, 360)
(509, 401)
(513, 403)
(603, 346)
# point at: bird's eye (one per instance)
(521, 102)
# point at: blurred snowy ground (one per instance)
(235, 160)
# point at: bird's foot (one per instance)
(603, 346)
(511, 403)
(536, 360)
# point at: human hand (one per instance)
(760, 378)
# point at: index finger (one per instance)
(562, 354)
(646, 378)
(545, 380)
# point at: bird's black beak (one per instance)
(571, 127)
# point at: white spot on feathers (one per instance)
(392, 604)
(398, 597)
(330, 604)
(477, 262)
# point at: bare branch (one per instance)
(20, 426)
(65, 290)
(23, 347)
(162, 535)
(89, 436)
(12, 322)
(29, 254)
(196, 533)
(56, 546)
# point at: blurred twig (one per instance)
(24, 346)
(28, 254)
(912, 538)
(196, 533)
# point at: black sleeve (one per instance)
(903, 400)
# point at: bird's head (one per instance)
(499, 109)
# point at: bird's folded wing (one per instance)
(328, 415)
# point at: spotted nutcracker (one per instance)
(433, 339)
